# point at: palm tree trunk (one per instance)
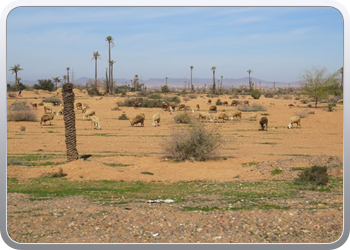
(96, 73)
(214, 87)
(69, 121)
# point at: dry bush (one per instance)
(197, 143)
(301, 114)
(253, 107)
(183, 117)
(24, 115)
(316, 175)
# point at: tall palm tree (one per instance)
(214, 86)
(166, 81)
(15, 70)
(191, 67)
(109, 39)
(221, 81)
(250, 84)
(67, 74)
(96, 56)
(56, 80)
(111, 80)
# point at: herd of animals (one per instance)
(89, 114)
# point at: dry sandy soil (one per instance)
(321, 134)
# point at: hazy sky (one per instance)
(276, 43)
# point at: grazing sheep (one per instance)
(262, 122)
(197, 107)
(47, 108)
(34, 105)
(252, 117)
(234, 103)
(140, 118)
(237, 114)
(88, 113)
(225, 103)
(96, 122)
(294, 119)
(78, 105)
(213, 108)
(204, 115)
(209, 102)
(165, 106)
(60, 111)
(46, 117)
(156, 119)
(222, 116)
(181, 107)
(340, 101)
(246, 103)
(137, 105)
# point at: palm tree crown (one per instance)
(96, 56)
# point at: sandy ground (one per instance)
(140, 148)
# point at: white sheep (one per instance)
(88, 113)
(294, 119)
(96, 122)
(253, 117)
(156, 119)
(223, 116)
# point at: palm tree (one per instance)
(341, 72)
(249, 71)
(109, 39)
(64, 78)
(67, 74)
(56, 80)
(213, 69)
(96, 56)
(15, 70)
(69, 121)
(166, 81)
(111, 80)
(191, 67)
(221, 81)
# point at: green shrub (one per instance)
(174, 99)
(269, 94)
(218, 103)
(316, 175)
(154, 96)
(123, 117)
(276, 171)
(165, 89)
(183, 117)
(255, 93)
(53, 100)
(330, 106)
(196, 143)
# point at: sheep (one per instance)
(197, 107)
(137, 105)
(262, 122)
(165, 106)
(96, 122)
(78, 105)
(156, 119)
(181, 107)
(234, 103)
(340, 101)
(253, 117)
(225, 103)
(237, 114)
(88, 113)
(209, 102)
(140, 118)
(204, 115)
(213, 108)
(46, 117)
(246, 103)
(294, 119)
(222, 116)
(60, 111)
(34, 105)
(83, 109)
(47, 108)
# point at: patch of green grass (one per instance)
(265, 114)
(268, 143)
(117, 164)
(249, 164)
(297, 168)
(276, 171)
(148, 173)
(296, 154)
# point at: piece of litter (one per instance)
(217, 237)
(156, 234)
(155, 201)
(168, 200)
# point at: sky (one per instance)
(276, 43)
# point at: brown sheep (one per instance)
(237, 114)
(197, 107)
(213, 108)
(223, 116)
(140, 118)
(204, 115)
(46, 117)
(34, 105)
(234, 103)
(209, 102)
(165, 106)
(246, 103)
(262, 122)
(181, 107)
(225, 103)
(78, 105)
(47, 108)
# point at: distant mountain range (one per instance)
(180, 82)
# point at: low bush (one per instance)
(23, 115)
(255, 93)
(123, 117)
(301, 114)
(183, 117)
(305, 101)
(197, 143)
(316, 175)
(53, 100)
(251, 108)
(269, 95)
(19, 106)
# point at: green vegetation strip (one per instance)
(241, 195)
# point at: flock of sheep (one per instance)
(140, 117)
